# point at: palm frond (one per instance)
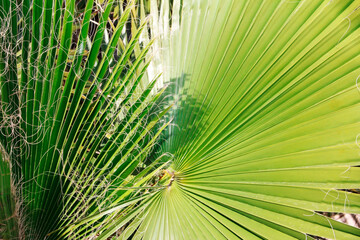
(75, 122)
(263, 98)
(265, 126)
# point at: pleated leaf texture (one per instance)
(263, 102)
(265, 124)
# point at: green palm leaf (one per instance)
(76, 124)
(265, 126)
(263, 102)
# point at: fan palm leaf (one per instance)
(265, 126)
(73, 125)
(264, 133)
